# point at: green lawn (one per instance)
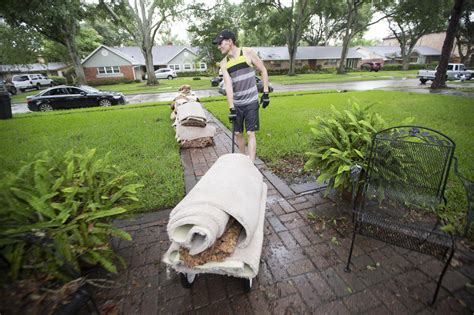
(285, 131)
(140, 138)
(350, 76)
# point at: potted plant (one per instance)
(341, 141)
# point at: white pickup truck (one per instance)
(30, 81)
(456, 71)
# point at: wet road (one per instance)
(407, 85)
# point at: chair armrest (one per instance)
(469, 187)
(356, 170)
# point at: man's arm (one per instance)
(258, 63)
(228, 86)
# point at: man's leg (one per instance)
(252, 145)
(239, 139)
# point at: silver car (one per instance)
(165, 73)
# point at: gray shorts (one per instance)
(247, 114)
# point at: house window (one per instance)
(175, 67)
(108, 70)
(202, 66)
(187, 66)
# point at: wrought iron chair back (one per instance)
(408, 167)
(407, 171)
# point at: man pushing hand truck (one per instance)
(242, 94)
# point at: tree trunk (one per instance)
(150, 69)
(75, 59)
(405, 59)
(440, 78)
(345, 48)
(292, 52)
(346, 40)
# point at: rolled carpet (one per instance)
(191, 114)
(234, 187)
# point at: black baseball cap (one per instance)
(225, 34)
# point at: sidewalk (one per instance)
(301, 268)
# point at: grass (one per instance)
(350, 76)
(140, 138)
(285, 131)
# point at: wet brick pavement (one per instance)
(302, 263)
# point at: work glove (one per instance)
(232, 115)
(265, 100)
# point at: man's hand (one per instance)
(232, 115)
(265, 100)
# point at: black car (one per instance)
(258, 82)
(216, 80)
(65, 97)
(9, 87)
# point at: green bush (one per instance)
(196, 78)
(58, 209)
(193, 74)
(109, 81)
(341, 141)
(58, 80)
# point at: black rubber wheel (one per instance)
(38, 86)
(187, 280)
(247, 283)
(170, 77)
(51, 84)
(13, 90)
(423, 81)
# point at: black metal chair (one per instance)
(405, 179)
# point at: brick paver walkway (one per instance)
(301, 268)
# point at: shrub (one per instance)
(58, 80)
(56, 212)
(109, 81)
(196, 78)
(193, 74)
(341, 141)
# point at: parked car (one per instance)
(9, 87)
(216, 80)
(24, 82)
(371, 66)
(259, 83)
(165, 73)
(456, 71)
(65, 97)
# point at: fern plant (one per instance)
(56, 212)
(341, 141)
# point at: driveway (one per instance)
(407, 85)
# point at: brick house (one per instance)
(311, 57)
(115, 63)
(390, 54)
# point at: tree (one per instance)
(465, 34)
(87, 40)
(296, 18)
(112, 34)
(358, 17)
(360, 41)
(205, 28)
(57, 20)
(18, 38)
(326, 23)
(142, 21)
(409, 21)
(260, 26)
(440, 77)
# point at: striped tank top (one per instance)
(243, 80)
